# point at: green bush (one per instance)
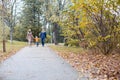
(72, 42)
(48, 39)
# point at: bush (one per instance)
(73, 42)
(48, 39)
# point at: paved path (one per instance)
(36, 63)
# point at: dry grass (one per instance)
(66, 49)
(10, 49)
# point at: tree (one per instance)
(3, 12)
(96, 22)
(73, 24)
(52, 11)
(104, 19)
(31, 17)
(9, 19)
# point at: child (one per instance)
(37, 41)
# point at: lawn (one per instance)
(61, 48)
(10, 49)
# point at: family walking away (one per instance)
(30, 38)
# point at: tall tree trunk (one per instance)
(54, 38)
(4, 46)
(55, 33)
(56, 25)
(3, 30)
(11, 35)
(12, 19)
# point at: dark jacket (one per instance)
(43, 35)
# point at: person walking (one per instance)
(29, 37)
(37, 41)
(43, 36)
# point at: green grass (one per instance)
(61, 48)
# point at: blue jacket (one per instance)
(43, 35)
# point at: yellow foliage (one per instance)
(92, 43)
(100, 38)
(82, 24)
(107, 37)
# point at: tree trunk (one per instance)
(4, 47)
(11, 35)
(55, 33)
(3, 30)
(54, 38)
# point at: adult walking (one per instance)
(43, 36)
(29, 37)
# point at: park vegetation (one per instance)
(89, 24)
(93, 25)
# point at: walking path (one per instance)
(36, 63)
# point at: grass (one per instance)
(10, 49)
(61, 48)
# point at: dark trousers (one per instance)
(43, 41)
(37, 43)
